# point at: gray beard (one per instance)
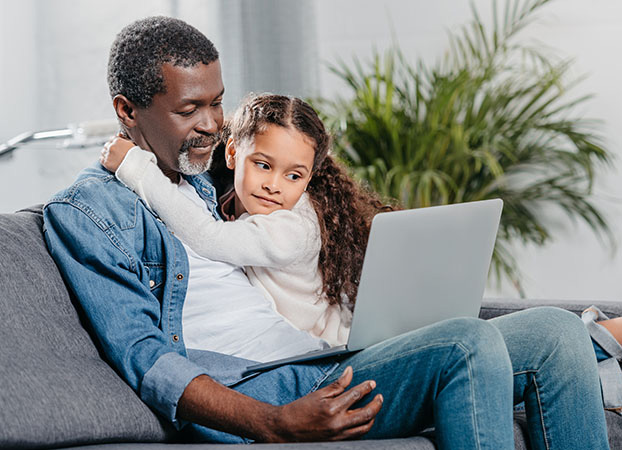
(189, 168)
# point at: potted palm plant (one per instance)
(494, 119)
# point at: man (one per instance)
(141, 289)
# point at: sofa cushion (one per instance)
(412, 443)
(56, 389)
(492, 307)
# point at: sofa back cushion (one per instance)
(55, 389)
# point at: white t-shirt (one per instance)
(224, 313)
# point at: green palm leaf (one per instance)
(494, 119)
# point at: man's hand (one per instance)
(323, 415)
(114, 152)
(326, 415)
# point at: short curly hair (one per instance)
(141, 48)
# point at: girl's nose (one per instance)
(271, 186)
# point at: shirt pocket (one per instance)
(155, 276)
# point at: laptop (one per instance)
(421, 266)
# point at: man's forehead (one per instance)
(200, 82)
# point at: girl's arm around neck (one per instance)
(276, 240)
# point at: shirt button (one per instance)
(151, 283)
(175, 338)
(180, 276)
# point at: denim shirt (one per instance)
(130, 274)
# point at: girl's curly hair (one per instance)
(344, 208)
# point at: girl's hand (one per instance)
(114, 152)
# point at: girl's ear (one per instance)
(230, 154)
(125, 110)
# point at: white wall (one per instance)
(53, 57)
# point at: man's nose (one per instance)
(207, 123)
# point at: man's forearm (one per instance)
(322, 415)
(213, 405)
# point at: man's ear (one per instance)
(230, 154)
(125, 109)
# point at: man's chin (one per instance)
(189, 167)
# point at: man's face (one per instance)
(182, 125)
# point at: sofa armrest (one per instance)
(493, 307)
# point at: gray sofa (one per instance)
(56, 390)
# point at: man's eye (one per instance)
(217, 103)
(293, 176)
(187, 113)
(262, 165)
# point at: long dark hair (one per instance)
(344, 208)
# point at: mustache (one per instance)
(200, 141)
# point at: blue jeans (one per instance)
(463, 376)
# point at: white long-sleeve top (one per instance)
(280, 250)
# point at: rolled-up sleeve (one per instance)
(166, 381)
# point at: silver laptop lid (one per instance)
(423, 266)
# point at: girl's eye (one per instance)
(262, 165)
(293, 176)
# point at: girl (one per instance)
(301, 223)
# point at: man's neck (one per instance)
(172, 175)
(227, 205)
(239, 207)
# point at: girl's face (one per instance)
(272, 174)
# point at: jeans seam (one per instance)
(544, 433)
(540, 409)
(321, 379)
(538, 399)
(467, 358)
